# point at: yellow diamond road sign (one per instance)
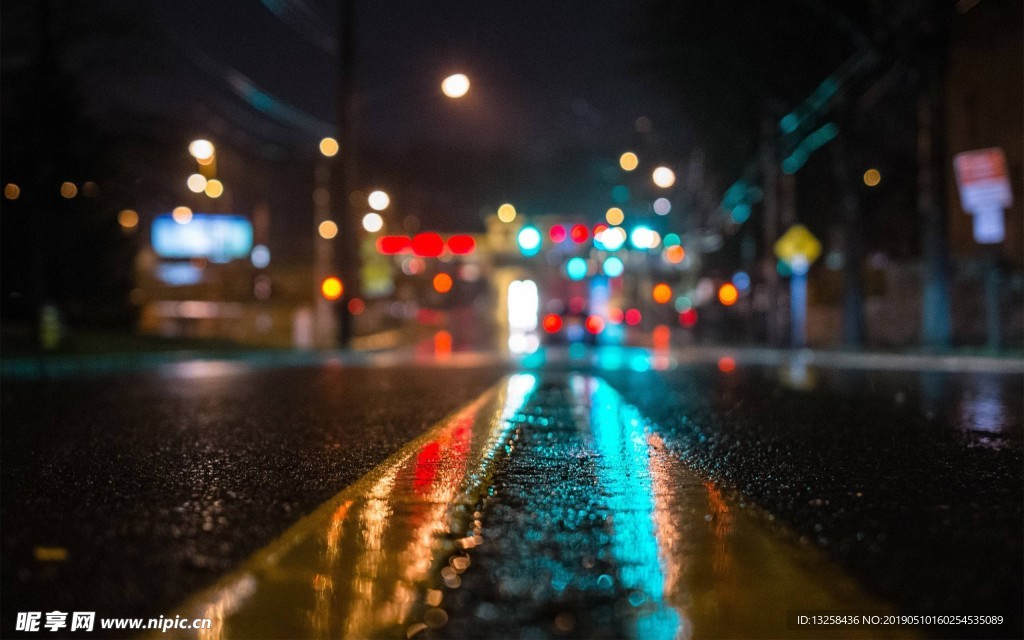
(798, 244)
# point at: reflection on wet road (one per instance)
(547, 508)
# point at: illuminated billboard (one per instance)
(218, 238)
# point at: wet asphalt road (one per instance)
(912, 481)
(157, 484)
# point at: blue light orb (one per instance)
(529, 240)
(613, 267)
(741, 280)
(576, 268)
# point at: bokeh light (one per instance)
(664, 177)
(182, 215)
(260, 256)
(576, 268)
(614, 216)
(688, 318)
(329, 147)
(201, 149)
(552, 323)
(742, 280)
(328, 229)
(12, 191)
(662, 206)
(872, 177)
(727, 294)
(442, 283)
(214, 188)
(613, 239)
(455, 85)
(196, 183)
(661, 293)
(529, 240)
(675, 254)
(372, 222)
(68, 190)
(506, 213)
(628, 161)
(128, 219)
(331, 288)
(378, 200)
(642, 237)
(613, 267)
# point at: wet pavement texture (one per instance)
(566, 502)
(124, 494)
(912, 481)
(591, 528)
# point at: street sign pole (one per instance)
(984, 184)
(993, 324)
(798, 248)
(798, 308)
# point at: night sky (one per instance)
(555, 95)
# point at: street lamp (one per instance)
(663, 177)
(329, 147)
(629, 161)
(455, 86)
(378, 200)
(201, 150)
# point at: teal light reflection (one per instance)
(619, 437)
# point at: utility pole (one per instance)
(853, 242)
(770, 175)
(344, 178)
(936, 330)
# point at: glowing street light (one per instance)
(328, 229)
(201, 149)
(331, 288)
(378, 200)
(455, 86)
(628, 161)
(196, 183)
(506, 213)
(214, 188)
(329, 147)
(664, 177)
(372, 222)
(614, 216)
(128, 219)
